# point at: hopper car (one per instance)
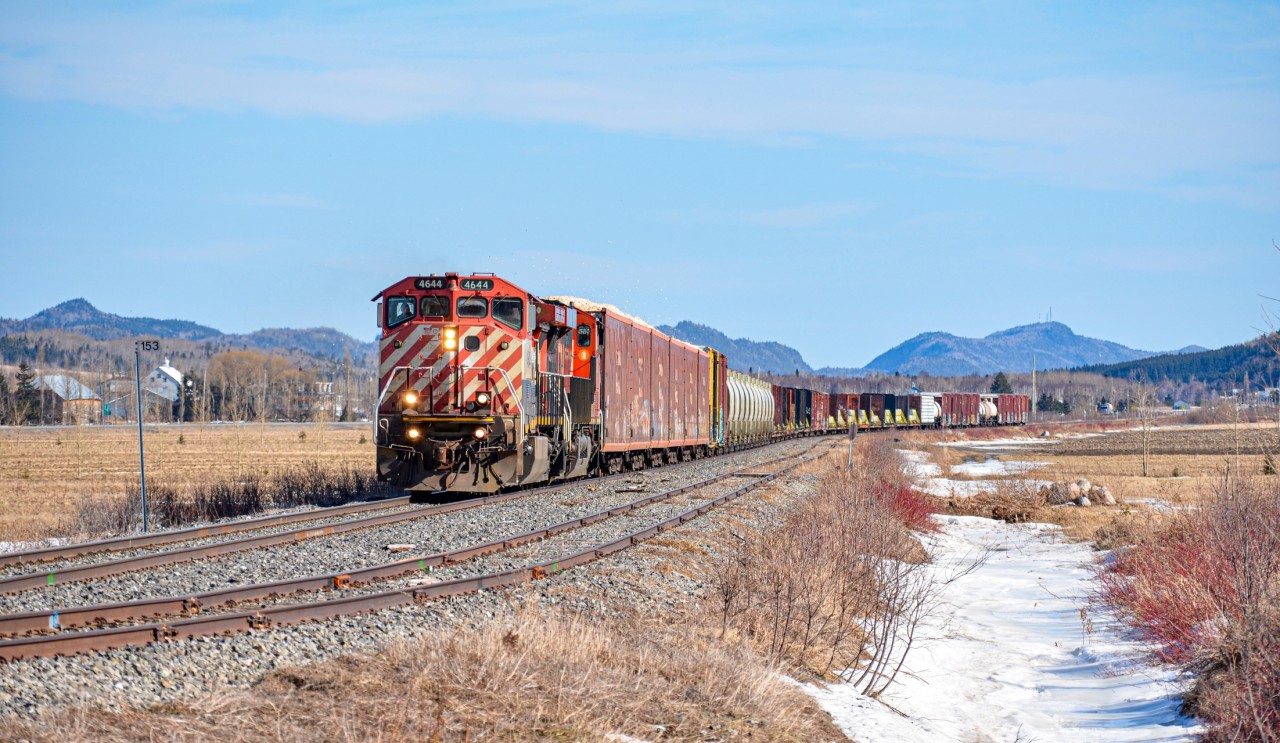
(484, 386)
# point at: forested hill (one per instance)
(74, 334)
(1056, 347)
(1224, 366)
(744, 354)
(79, 316)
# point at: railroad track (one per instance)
(156, 539)
(192, 622)
(73, 573)
(19, 582)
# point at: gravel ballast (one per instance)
(628, 581)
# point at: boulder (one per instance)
(1104, 496)
(1073, 490)
(1083, 501)
(1056, 494)
(1084, 485)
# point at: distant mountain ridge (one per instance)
(1054, 344)
(1256, 360)
(80, 316)
(744, 354)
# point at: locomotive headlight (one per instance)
(410, 399)
(450, 339)
(481, 433)
(413, 434)
(482, 398)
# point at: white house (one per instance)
(165, 382)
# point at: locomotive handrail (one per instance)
(382, 396)
(567, 416)
(510, 386)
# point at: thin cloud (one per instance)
(1107, 129)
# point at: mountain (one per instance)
(1055, 346)
(315, 341)
(1225, 366)
(79, 316)
(744, 354)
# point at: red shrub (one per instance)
(1206, 588)
(1172, 589)
(907, 504)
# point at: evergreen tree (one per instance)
(1000, 385)
(27, 398)
(188, 407)
(6, 399)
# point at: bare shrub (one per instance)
(841, 585)
(1206, 589)
(170, 506)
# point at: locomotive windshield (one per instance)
(473, 307)
(509, 311)
(435, 306)
(399, 310)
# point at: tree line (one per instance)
(236, 385)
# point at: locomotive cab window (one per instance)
(509, 311)
(584, 335)
(399, 310)
(435, 306)
(473, 307)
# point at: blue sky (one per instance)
(835, 176)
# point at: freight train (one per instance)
(484, 386)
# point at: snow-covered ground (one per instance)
(929, 475)
(1007, 656)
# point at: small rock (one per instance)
(1073, 490)
(1083, 501)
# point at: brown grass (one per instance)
(47, 474)
(537, 676)
(1199, 456)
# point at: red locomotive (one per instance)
(484, 386)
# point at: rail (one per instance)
(189, 604)
(264, 618)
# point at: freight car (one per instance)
(484, 386)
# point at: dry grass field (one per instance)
(46, 474)
(1184, 465)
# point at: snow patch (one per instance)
(994, 468)
(1010, 655)
(929, 480)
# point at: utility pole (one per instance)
(853, 434)
(1034, 398)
